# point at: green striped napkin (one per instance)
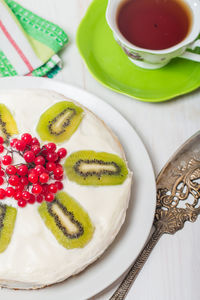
(29, 43)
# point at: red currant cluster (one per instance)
(39, 178)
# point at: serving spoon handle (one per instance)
(124, 287)
(177, 182)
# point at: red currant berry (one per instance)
(11, 170)
(39, 198)
(33, 177)
(58, 172)
(9, 191)
(26, 195)
(46, 171)
(27, 138)
(35, 142)
(31, 171)
(6, 160)
(1, 180)
(62, 152)
(39, 160)
(53, 188)
(12, 142)
(36, 189)
(50, 166)
(13, 180)
(45, 189)
(39, 169)
(49, 197)
(44, 177)
(51, 147)
(18, 195)
(32, 199)
(51, 156)
(59, 185)
(59, 166)
(19, 187)
(1, 140)
(60, 177)
(44, 151)
(1, 147)
(24, 180)
(57, 160)
(20, 145)
(22, 170)
(22, 203)
(36, 149)
(2, 172)
(29, 156)
(2, 194)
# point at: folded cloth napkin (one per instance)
(28, 43)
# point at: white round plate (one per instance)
(134, 233)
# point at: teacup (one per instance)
(154, 59)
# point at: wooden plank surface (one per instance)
(173, 269)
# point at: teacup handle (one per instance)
(191, 55)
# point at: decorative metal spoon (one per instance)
(178, 194)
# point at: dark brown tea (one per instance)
(154, 24)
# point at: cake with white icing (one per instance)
(47, 242)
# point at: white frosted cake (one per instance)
(46, 241)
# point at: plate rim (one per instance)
(142, 99)
(58, 86)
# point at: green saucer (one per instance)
(110, 65)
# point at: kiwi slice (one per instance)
(67, 220)
(7, 222)
(95, 168)
(8, 126)
(59, 122)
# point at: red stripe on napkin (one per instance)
(19, 51)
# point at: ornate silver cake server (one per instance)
(178, 194)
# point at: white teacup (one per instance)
(154, 59)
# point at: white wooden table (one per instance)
(173, 270)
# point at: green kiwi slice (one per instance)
(67, 220)
(7, 222)
(8, 126)
(59, 122)
(95, 168)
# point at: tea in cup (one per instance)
(152, 32)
